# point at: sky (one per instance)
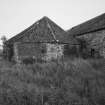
(17, 15)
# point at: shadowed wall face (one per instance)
(96, 42)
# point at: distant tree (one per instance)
(3, 38)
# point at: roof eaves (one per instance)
(20, 35)
(89, 32)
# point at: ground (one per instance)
(69, 82)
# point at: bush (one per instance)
(70, 82)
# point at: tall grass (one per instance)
(70, 82)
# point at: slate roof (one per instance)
(95, 24)
(44, 30)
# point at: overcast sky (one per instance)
(16, 15)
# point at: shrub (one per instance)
(75, 81)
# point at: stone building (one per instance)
(44, 40)
(93, 33)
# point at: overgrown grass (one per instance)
(70, 82)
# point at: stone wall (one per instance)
(54, 51)
(42, 51)
(95, 41)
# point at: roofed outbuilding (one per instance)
(43, 40)
(93, 32)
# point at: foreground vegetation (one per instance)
(73, 82)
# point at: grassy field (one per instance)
(70, 82)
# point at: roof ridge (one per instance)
(89, 20)
(49, 26)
